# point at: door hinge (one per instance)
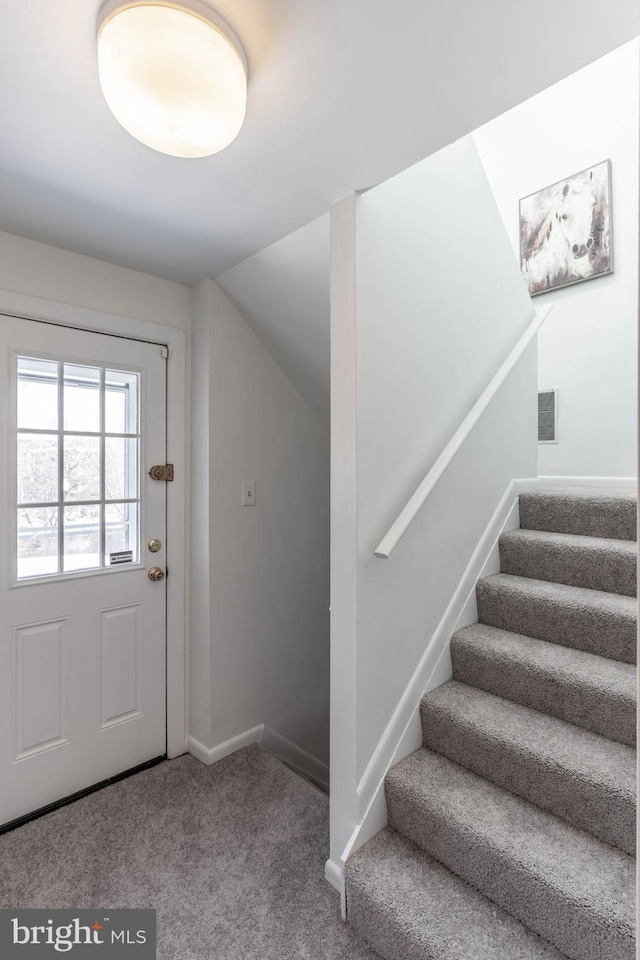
(161, 471)
(164, 353)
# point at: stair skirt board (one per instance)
(554, 483)
(295, 756)
(511, 827)
(402, 735)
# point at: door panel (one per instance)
(82, 628)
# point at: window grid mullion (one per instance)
(74, 503)
(131, 466)
(80, 433)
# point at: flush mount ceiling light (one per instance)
(173, 74)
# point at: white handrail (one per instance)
(399, 527)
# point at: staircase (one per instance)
(512, 831)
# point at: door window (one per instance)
(77, 476)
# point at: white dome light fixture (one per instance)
(173, 74)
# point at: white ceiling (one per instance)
(343, 94)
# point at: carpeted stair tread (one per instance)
(579, 776)
(593, 562)
(584, 511)
(592, 692)
(407, 906)
(564, 884)
(517, 817)
(591, 620)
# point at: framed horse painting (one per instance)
(565, 231)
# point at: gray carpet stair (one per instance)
(586, 512)
(512, 831)
(393, 886)
(593, 562)
(590, 620)
(595, 693)
(577, 775)
(562, 883)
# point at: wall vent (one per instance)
(548, 416)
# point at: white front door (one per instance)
(82, 625)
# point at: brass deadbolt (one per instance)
(161, 471)
(156, 574)
(154, 545)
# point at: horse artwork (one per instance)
(565, 231)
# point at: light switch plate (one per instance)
(248, 493)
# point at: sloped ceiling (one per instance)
(343, 94)
(283, 293)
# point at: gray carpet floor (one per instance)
(231, 856)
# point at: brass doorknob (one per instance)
(156, 574)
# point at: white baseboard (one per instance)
(492, 563)
(403, 733)
(198, 750)
(211, 755)
(295, 755)
(271, 740)
(334, 875)
(545, 482)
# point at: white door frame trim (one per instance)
(68, 315)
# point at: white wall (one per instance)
(344, 801)
(439, 305)
(266, 567)
(40, 270)
(258, 577)
(424, 311)
(587, 347)
(44, 282)
(199, 699)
